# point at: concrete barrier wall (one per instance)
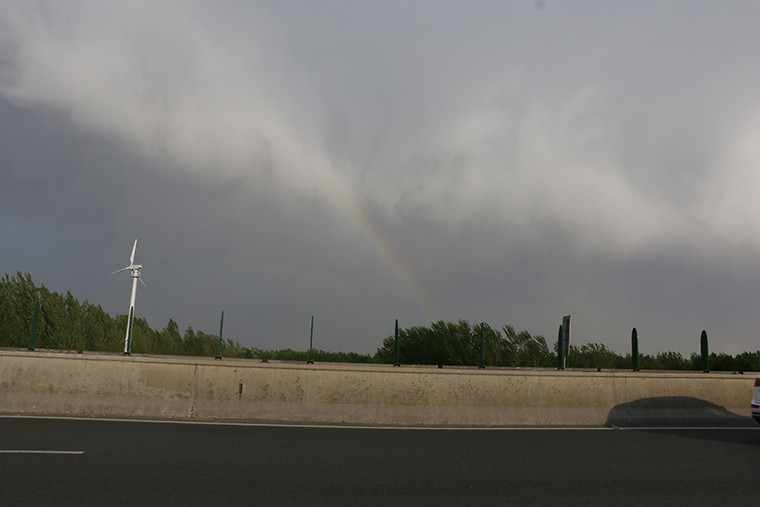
(44, 383)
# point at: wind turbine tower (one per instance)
(135, 268)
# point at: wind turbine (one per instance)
(135, 276)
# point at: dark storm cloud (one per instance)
(510, 163)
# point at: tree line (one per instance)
(67, 324)
(459, 344)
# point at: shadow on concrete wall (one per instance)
(675, 411)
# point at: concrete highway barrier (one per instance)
(104, 385)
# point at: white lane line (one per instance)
(381, 427)
(687, 428)
(37, 451)
(318, 426)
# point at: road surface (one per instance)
(95, 462)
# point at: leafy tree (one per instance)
(597, 355)
(12, 325)
(66, 324)
(671, 360)
(456, 343)
(522, 349)
(720, 362)
(446, 343)
(748, 361)
(170, 339)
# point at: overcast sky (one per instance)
(500, 161)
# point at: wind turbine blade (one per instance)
(120, 270)
(143, 283)
(132, 257)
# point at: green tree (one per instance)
(720, 362)
(596, 355)
(67, 324)
(171, 340)
(12, 325)
(671, 360)
(523, 349)
(748, 361)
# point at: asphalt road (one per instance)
(92, 462)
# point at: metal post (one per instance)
(221, 326)
(397, 362)
(482, 348)
(35, 324)
(560, 353)
(311, 340)
(130, 318)
(635, 349)
(565, 339)
(705, 354)
(128, 340)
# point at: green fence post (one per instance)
(482, 348)
(635, 349)
(705, 354)
(311, 341)
(221, 325)
(397, 362)
(35, 324)
(560, 352)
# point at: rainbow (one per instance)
(385, 247)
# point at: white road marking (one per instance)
(37, 451)
(382, 427)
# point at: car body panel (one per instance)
(755, 404)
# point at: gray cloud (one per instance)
(502, 162)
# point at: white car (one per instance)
(756, 401)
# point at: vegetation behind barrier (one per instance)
(68, 324)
